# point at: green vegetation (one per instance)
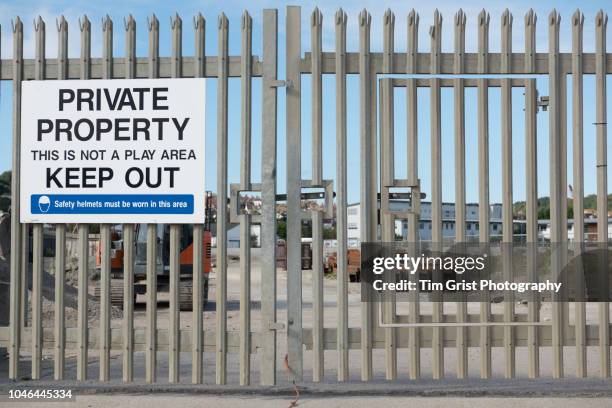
(590, 202)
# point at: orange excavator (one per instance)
(163, 261)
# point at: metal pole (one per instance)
(413, 179)
(268, 198)
(555, 183)
(60, 230)
(483, 181)
(578, 184)
(531, 182)
(601, 22)
(459, 96)
(37, 233)
(198, 231)
(128, 233)
(366, 159)
(105, 236)
(341, 197)
(294, 182)
(222, 81)
(16, 231)
(174, 345)
(437, 340)
(317, 179)
(507, 204)
(245, 184)
(151, 314)
(83, 231)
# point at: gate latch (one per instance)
(279, 83)
(276, 325)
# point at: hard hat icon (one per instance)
(44, 203)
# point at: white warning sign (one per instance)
(113, 151)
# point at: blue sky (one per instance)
(118, 10)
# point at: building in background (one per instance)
(448, 221)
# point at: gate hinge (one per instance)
(279, 83)
(276, 326)
(543, 103)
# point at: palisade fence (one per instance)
(486, 331)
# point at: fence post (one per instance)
(341, 198)
(531, 182)
(483, 181)
(365, 196)
(316, 21)
(555, 183)
(268, 198)
(128, 233)
(413, 178)
(507, 205)
(245, 184)
(578, 183)
(222, 75)
(37, 232)
(174, 341)
(151, 318)
(105, 238)
(83, 280)
(16, 231)
(601, 22)
(198, 229)
(459, 118)
(294, 182)
(437, 340)
(60, 229)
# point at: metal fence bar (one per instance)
(507, 207)
(435, 32)
(341, 197)
(366, 159)
(578, 183)
(316, 20)
(483, 181)
(105, 238)
(531, 183)
(198, 232)
(174, 360)
(221, 275)
(268, 197)
(128, 233)
(16, 231)
(413, 179)
(83, 232)
(245, 184)
(60, 230)
(387, 220)
(293, 123)
(423, 65)
(563, 194)
(25, 274)
(37, 233)
(151, 313)
(459, 119)
(387, 174)
(601, 22)
(555, 180)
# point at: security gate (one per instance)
(378, 329)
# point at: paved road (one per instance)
(190, 401)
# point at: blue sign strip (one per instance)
(111, 203)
